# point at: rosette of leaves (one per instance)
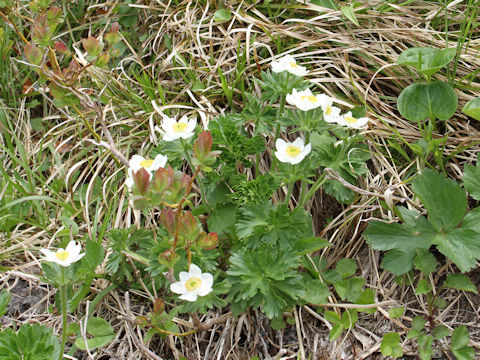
(448, 227)
(262, 116)
(274, 85)
(254, 191)
(266, 278)
(346, 157)
(272, 224)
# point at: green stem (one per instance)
(279, 113)
(289, 192)
(63, 304)
(320, 181)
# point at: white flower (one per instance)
(304, 100)
(289, 64)
(292, 153)
(354, 123)
(192, 284)
(172, 129)
(331, 114)
(64, 257)
(137, 162)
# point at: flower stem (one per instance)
(63, 305)
(320, 181)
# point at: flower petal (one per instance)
(299, 143)
(159, 161)
(135, 161)
(189, 296)
(281, 145)
(178, 288)
(183, 276)
(207, 280)
(194, 270)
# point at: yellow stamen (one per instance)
(292, 150)
(328, 110)
(292, 64)
(146, 163)
(193, 283)
(179, 127)
(350, 119)
(311, 98)
(62, 255)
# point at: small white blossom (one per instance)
(137, 162)
(192, 284)
(292, 153)
(331, 114)
(64, 257)
(288, 63)
(304, 99)
(173, 130)
(352, 122)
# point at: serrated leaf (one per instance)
(460, 282)
(440, 332)
(465, 353)
(413, 334)
(349, 13)
(472, 109)
(460, 337)
(471, 180)
(425, 346)
(222, 219)
(436, 100)
(461, 246)
(396, 312)
(4, 301)
(316, 292)
(390, 345)
(398, 262)
(101, 331)
(444, 199)
(418, 323)
(426, 60)
(222, 15)
(346, 267)
(422, 287)
(350, 289)
(309, 245)
(335, 332)
(367, 297)
(425, 261)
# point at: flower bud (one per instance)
(158, 306)
(187, 226)
(33, 54)
(61, 48)
(208, 241)
(168, 258)
(141, 178)
(93, 47)
(168, 220)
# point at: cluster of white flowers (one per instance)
(137, 162)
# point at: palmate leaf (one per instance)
(471, 180)
(462, 246)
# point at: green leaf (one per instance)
(460, 282)
(316, 292)
(425, 261)
(426, 60)
(420, 101)
(444, 199)
(346, 267)
(325, 3)
(94, 255)
(440, 332)
(465, 353)
(390, 345)
(222, 15)
(101, 332)
(350, 289)
(422, 287)
(396, 312)
(413, 334)
(335, 332)
(398, 262)
(349, 13)
(418, 323)
(309, 245)
(36, 342)
(222, 219)
(277, 323)
(461, 246)
(367, 297)
(460, 337)
(425, 346)
(471, 180)
(4, 301)
(472, 109)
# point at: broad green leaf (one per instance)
(335, 332)
(390, 345)
(350, 289)
(346, 267)
(4, 301)
(398, 262)
(349, 13)
(396, 312)
(472, 220)
(37, 342)
(333, 317)
(222, 219)
(388, 236)
(101, 332)
(309, 245)
(367, 297)
(413, 334)
(418, 323)
(277, 323)
(465, 353)
(316, 292)
(325, 3)
(425, 261)
(349, 318)
(461, 246)
(444, 199)
(426, 60)
(460, 337)
(471, 180)
(440, 332)
(472, 109)
(425, 346)
(460, 282)
(440, 303)
(418, 102)
(222, 15)
(422, 287)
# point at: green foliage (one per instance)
(259, 114)
(391, 345)
(426, 60)
(396, 312)
(255, 191)
(222, 15)
(471, 180)
(341, 323)
(472, 108)
(436, 100)
(460, 282)
(272, 224)
(31, 342)
(316, 292)
(446, 203)
(266, 277)
(276, 85)
(460, 340)
(100, 334)
(4, 301)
